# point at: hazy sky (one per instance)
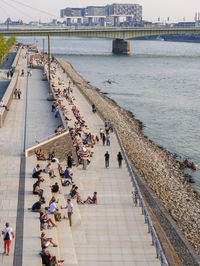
(176, 10)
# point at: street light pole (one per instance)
(43, 45)
(49, 64)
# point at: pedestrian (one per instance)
(8, 235)
(11, 74)
(19, 94)
(69, 208)
(119, 159)
(69, 160)
(107, 156)
(8, 74)
(56, 113)
(106, 123)
(103, 139)
(108, 140)
(15, 93)
(101, 133)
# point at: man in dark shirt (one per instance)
(37, 205)
(107, 156)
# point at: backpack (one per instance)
(7, 236)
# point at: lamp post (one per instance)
(50, 95)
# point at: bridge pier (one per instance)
(121, 46)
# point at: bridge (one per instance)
(120, 35)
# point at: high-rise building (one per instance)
(110, 15)
(128, 10)
(95, 11)
(72, 12)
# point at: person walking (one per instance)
(69, 208)
(107, 156)
(108, 140)
(101, 133)
(8, 235)
(15, 93)
(69, 160)
(119, 159)
(19, 94)
(103, 139)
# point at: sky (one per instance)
(176, 10)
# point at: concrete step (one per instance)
(31, 236)
(64, 233)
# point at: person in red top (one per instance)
(8, 234)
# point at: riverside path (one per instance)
(22, 127)
(110, 233)
(114, 231)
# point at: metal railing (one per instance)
(39, 141)
(155, 241)
(151, 230)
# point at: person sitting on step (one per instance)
(45, 241)
(92, 200)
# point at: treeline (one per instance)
(5, 45)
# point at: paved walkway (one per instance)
(4, 82)
(112, 232)
(11, 145)
(41, 122)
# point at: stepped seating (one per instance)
(32, 243)
(62, 233)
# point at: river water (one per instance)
(159, 82)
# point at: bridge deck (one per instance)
(112, 33)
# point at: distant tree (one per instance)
(5, 45)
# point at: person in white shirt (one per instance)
(54, 209)
(49, 170)
(69, 208)
(8, 235)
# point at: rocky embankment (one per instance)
(159, 169)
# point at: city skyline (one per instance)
(175, 10)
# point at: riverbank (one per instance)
(159, 169)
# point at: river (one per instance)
(159, 83)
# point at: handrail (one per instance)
(50, 136)
(151, 230)
(47, 138)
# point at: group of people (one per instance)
(46, 221)
(17, 93)
(10, 73)
(83, 141)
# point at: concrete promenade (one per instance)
(110, 233)
(18, 132)
(11, 146)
